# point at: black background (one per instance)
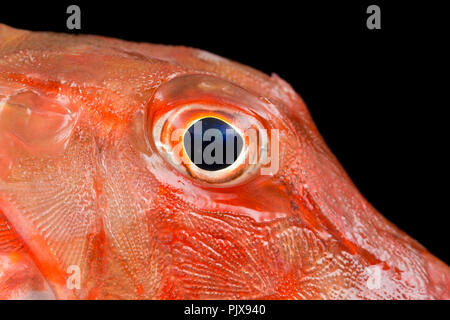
(377, 96)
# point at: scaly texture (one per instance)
(105, 200)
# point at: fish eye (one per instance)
(212, 144)
(209, 129)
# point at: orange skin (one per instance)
(106, 201)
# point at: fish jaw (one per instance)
(107, 204)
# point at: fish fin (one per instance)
(19, 276)
(9, 240)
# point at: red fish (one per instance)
(99, 198)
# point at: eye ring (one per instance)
(185, 100)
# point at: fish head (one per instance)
(105, 201)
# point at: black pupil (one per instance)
(212, 144)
